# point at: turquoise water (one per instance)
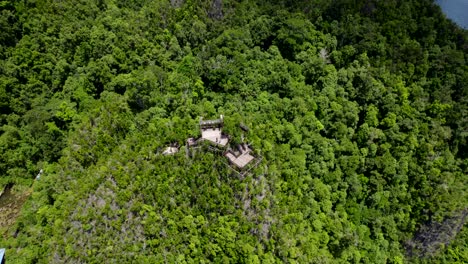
(456, 10)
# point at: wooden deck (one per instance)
(241, 157)
(240, 161)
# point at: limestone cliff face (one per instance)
(177, 3)
(216, 11)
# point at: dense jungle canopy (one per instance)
(359, 109)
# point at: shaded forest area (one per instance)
(358, 107)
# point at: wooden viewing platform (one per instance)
(211, 132)
(240, 158)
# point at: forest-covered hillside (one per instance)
(359, 109)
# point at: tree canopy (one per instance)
(358, 108)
